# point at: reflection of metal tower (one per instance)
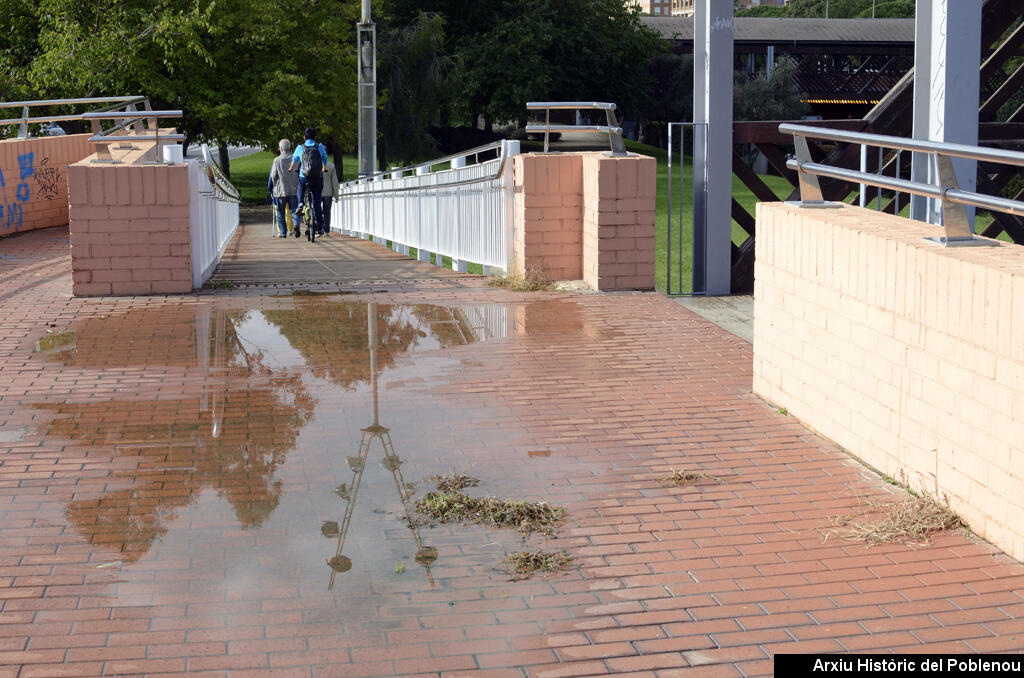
(425, 555)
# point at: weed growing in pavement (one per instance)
(453, 482)
(908, 520)
(783, 410)
(399, 568)
(220, 284)
(526, 563)
(532, 281)
(680, 478)
(455, 506)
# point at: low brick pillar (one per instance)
(907, 354)
(34, 180)
(586, 216)
(129, 226)
(618, 221)
(548, 200)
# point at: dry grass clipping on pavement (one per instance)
(526, 563)
(532, 281)
(453, 482)
(680, 478)
(455, 506)
(908, 520)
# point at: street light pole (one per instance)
(367, 57)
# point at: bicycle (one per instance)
(306, 214)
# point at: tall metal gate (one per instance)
(685, 270)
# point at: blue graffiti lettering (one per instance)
(25, 162)
(22, 193)
(13, 218)
(1, 178)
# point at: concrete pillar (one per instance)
(947, 58)
(712, 165)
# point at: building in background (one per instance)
(654, 7)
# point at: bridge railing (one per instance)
(945, 189)
(462, 211)
(213, 215)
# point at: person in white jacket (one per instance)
(285, 186)
(331, 193)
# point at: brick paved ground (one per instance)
(168, 467)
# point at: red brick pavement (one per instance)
(167, 466)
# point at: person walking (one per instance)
(331, 193)
(310, 160)
(284, 187)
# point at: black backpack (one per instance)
(312, 164)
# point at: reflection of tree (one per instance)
(332, 336)
(230, 440)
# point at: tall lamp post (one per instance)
(367, 54)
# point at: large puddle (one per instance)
(281, 449)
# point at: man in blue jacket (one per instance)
(311, 160)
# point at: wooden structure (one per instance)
(1001, 124)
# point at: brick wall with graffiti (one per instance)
(34, 180)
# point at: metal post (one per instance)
(367, 57)
(712, 172)
(947, 55)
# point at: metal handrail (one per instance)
(384, 174)
(216, 176)
(129, 119)
(448, 184)
(25, 119)
(612, 129)
(953, 199)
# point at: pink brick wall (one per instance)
(618, 222)
(34, 180)
(548, 204)
(908, 355)
(586, 216)
(129, 228)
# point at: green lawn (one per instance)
(249, 175)
(682, 233)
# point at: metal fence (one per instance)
(213, 215)
(463, 212)
(946, 189)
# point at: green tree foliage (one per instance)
(243, 71)
(509, 52)
(768, 98)
(837, 9)
(413, 78)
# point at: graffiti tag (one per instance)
(47, 179)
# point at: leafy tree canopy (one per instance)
(837, 9)
(243, 71)
(768, 98)
(508, 52)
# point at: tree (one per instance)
(509, 52)
(768, 98)
(836, 9)
(413, 78)
(243, 71)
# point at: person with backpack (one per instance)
(311, 159)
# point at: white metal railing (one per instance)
(946, 189)
(463, 212)
(213, 215)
